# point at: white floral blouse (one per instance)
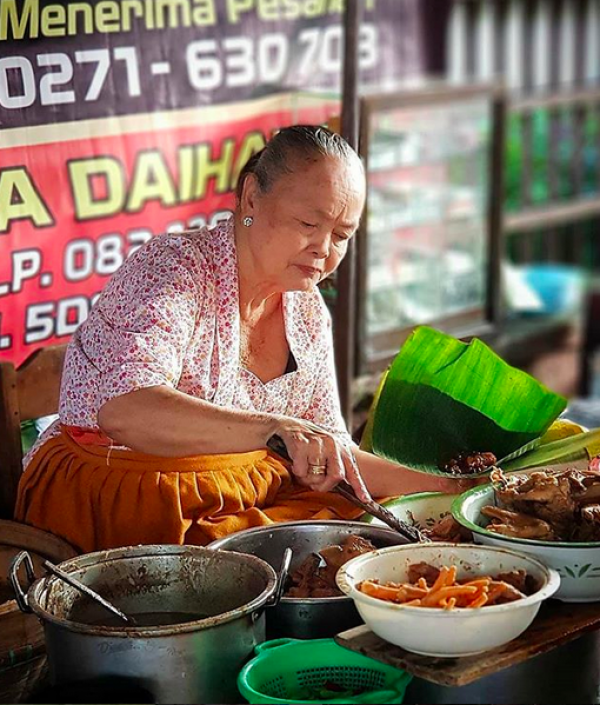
(170, 316)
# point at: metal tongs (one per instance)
(410, 533)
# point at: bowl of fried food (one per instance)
(551, 514)
(447, 600)
(430, 512)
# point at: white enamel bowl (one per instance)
(422, 509)
(578, 564)
(438, 632)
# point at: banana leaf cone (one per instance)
(442, 397)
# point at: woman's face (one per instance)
(303, 224)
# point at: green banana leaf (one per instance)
(366, 442)
(583, 446)
(443, 397)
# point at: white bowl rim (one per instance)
(347, 586)
(457, 513)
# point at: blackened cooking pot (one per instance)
(222, 594)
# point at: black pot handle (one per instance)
(282, 578)
(20, 594)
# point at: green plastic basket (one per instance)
(292, 671)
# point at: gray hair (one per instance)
(304, 141)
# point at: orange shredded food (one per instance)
(445, 593)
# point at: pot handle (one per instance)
(282, 579)
(20, 595)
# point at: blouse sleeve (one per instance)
(324, 408)
(142, 325)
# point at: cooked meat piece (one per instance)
(558, 498)
(589, 530)
(517, 525)
(591, 513)
(501, 592)
(516, 578)
(303, 576)
(422, 570)
(521, 580)
(543, 495)
(498, 478)
(466, 463)
(333, 556)
(312, 579)
(323, 591)
(585, 485)
(337, 556)
(448, 529)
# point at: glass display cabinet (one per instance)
(428, 249)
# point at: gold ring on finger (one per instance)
(314, 469)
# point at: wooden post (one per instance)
(345, 306)
(10, 440)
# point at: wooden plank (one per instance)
(27, 393)
(10, 440)
(554, 100)
(39, 382)
(557, 623)
(552, 216)
(496, 241)
(344, 315)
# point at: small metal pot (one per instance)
(191, 662)
(312, 618)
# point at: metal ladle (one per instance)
(73, 582)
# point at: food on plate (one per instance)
(516, 524)
(448, 530)
(315, 576)
(467, 463)
(433, 587)
(546, 505)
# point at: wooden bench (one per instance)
(26, 393)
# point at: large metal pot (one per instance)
(306, 618)
(192, 662)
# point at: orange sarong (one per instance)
(98, 498)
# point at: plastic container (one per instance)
(294, 671)
(560, 287)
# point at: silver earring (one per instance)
(248, 220)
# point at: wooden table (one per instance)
(569, 671)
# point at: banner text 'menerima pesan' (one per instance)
(29, 19)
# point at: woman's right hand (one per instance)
(319, 460)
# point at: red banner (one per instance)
(111, 193)
(120, 120)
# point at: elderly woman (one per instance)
(203, 346)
